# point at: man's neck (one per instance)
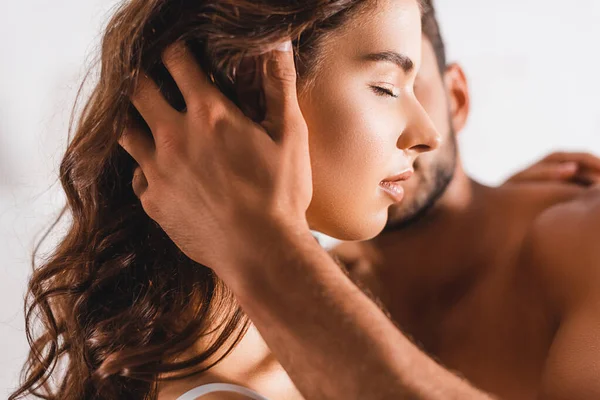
(446, 232)
(433, 263)
(470, 231)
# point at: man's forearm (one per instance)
(335, 342)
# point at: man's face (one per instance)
(434, 170)
(364, 120)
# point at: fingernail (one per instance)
(285, 46)
(569, 166)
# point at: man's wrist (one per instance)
(261, 254)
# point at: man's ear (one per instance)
(459, 99)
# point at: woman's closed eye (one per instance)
(384, 91)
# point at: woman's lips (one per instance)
(393, 189)
(392, 186)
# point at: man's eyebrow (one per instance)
(401, 60)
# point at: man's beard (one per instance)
(443, 173)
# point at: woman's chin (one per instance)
(353, 229)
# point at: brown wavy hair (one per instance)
(116, 301)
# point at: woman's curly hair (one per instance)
(115, 305)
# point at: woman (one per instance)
(128, 313)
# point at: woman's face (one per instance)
(365, 123)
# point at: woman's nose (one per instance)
(420, 134)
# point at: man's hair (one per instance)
(431, 30)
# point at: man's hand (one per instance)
(233, 194)
(579, 168)
(212, 178)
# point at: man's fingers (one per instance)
(188, 75)
(586, 160)
(564, 170)
(150, 103)
(587, 177)
(137, 144)
(279, 86)
(546, 171)
(192, 81)
(139, 183)
(248, 86)
(141, 148)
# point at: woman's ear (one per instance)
(457, 90)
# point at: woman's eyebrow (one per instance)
(401, 60)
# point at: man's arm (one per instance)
(568, 251)
(333, 341)
(336, 343)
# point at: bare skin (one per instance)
(331, 339)
(580, 168)
(474, 300)
(362, 106)
(450, 296)
(475, 281)
(453, 322)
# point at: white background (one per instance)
(533, 67)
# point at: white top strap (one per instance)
(220, 387)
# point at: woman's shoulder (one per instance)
(205, 391)
(214, 396)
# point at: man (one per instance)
(497, 284)
(512, 306)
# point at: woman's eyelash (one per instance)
(380, 91)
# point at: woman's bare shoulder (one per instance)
(212, 396)
(174, 392)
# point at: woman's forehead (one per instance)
(390, 25)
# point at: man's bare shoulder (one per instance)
(564, 248)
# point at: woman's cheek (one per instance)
(350, 134)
